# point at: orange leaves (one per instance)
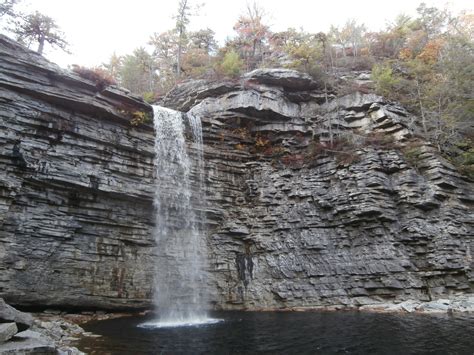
(430, 52)
(405, 54)
(99, 76)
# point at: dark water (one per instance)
(291, 333)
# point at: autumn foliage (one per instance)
(99, 76)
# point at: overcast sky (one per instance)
(97, 28)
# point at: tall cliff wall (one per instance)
(292, 221)
(76, 189)
(378, 216)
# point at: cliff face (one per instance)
(293, 220)
(377, 216)
(76, 182)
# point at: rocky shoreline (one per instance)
(457, 304)
(47, 332)
(23, 333)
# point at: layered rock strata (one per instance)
(377, 216)
(76, 189)
(313, 198)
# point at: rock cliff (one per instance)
(375, 216)
(76, 182)
(313, 198)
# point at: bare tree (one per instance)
(253, 34)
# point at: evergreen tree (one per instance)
(40, 29)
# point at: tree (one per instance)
(252, 36)
(114, 66)
(349, 37)
(355, 34)
(431, 20)
(432, 76)
(165, 49)
(41, 29)
(182, 20)
(385, 80)
(137, 72)
(306, 52)
(389, 43)
(462, 26)
(232, 64)
(198, 56)
(204, 39)
(7, 7)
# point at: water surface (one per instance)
(290, 333)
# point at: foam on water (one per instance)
(181, 323)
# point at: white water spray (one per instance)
(180, 292)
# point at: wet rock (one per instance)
(463, 303)
(409, 306)
(440, 305)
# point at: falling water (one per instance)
(180, 297)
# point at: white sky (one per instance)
(97, 28)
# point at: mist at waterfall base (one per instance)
(341, 332)
(179, 296)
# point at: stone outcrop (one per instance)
(313, 198)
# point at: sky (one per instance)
(96, 29)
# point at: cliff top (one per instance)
(26, 72)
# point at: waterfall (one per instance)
(180, 292)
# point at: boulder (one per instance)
(7, 331)
(436, 306)
(29, 342)
(10, 314)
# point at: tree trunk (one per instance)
(40, 45)
(178, 59)
(422, 109)
(331, 136)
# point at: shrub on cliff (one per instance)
(100, 77)
(231, 65)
